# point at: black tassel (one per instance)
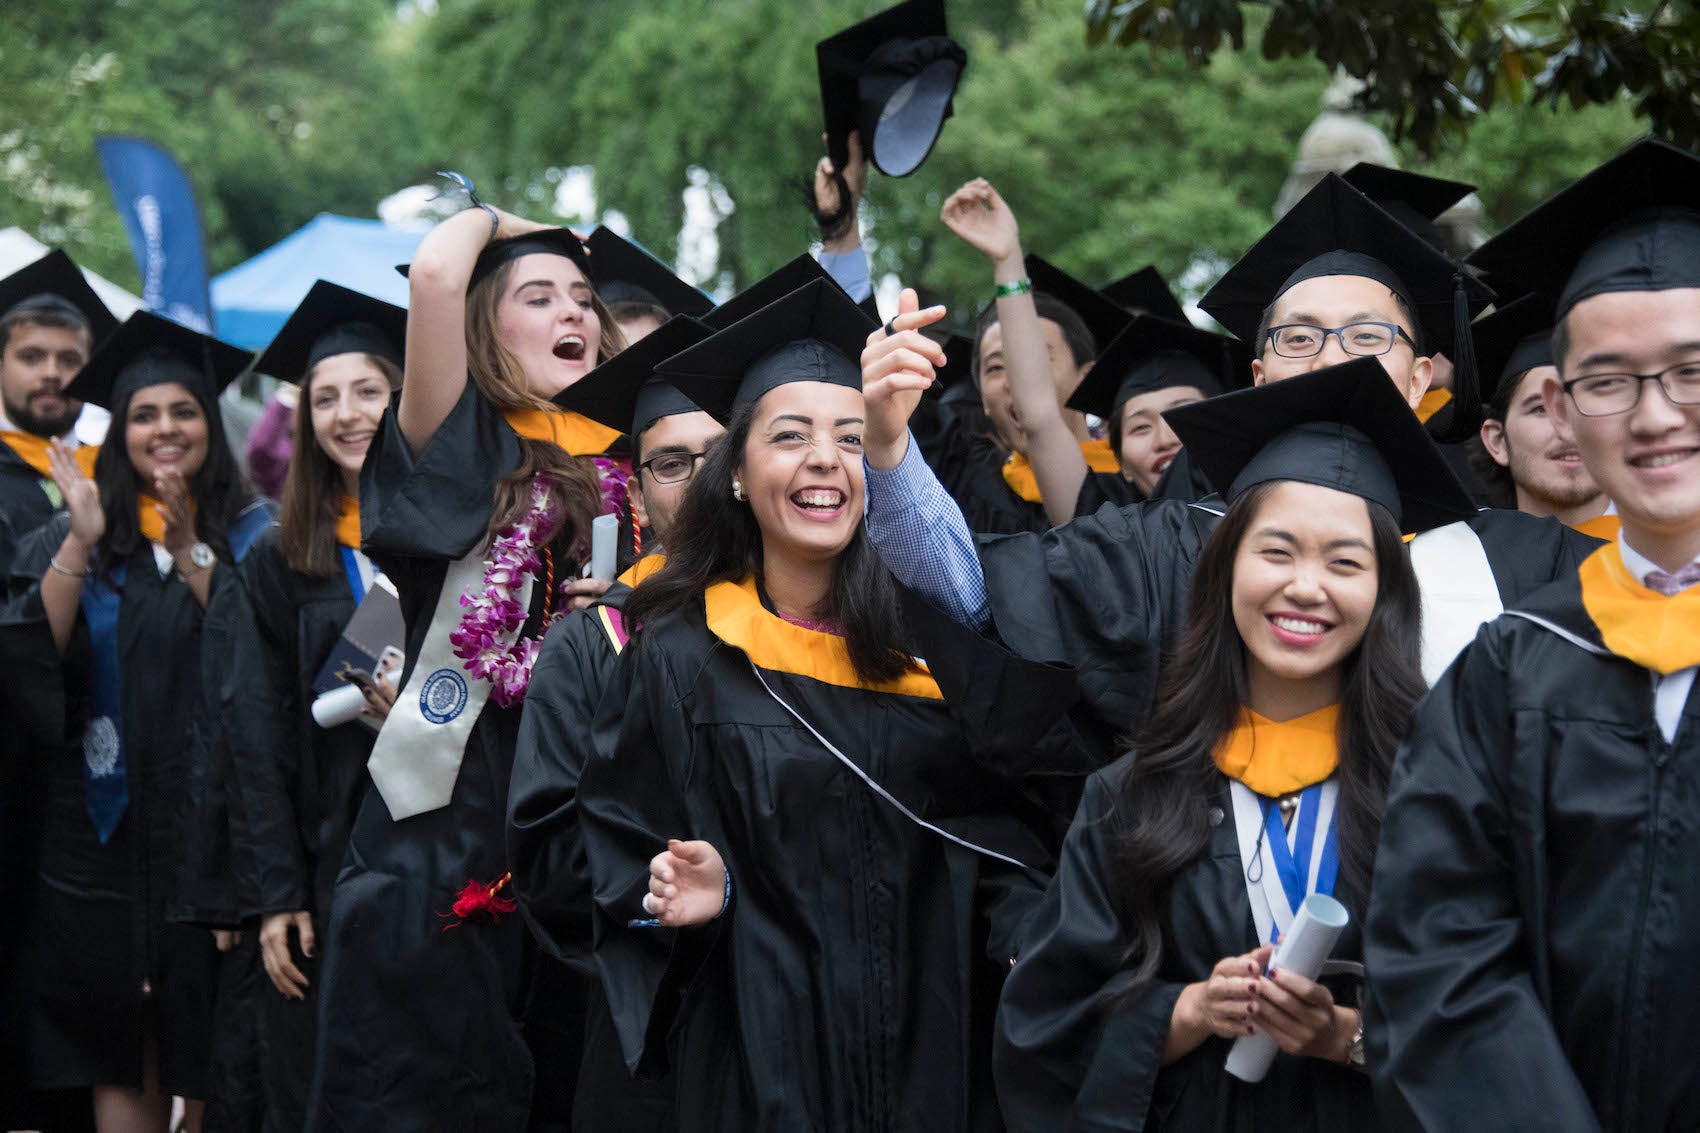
(1462, 419)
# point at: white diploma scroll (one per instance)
(338, 706)
(1304, 949)
(604, 537)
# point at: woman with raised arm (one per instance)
(298, 784)
(476, 501)
(806, 888)
(116, 590)
(1258, 780)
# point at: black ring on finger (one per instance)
(890, 326)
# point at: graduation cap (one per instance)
(147, 350)
(1413, 199)
(1345, 427)
(54, 282)
(769, 289)
(892, 77)
(334, 320)
(625, 273)
(1633, 224)
(958, 363)
(814, 334)
(1103, 317)
(1513, 340)
(546, 242)
(1145, 292)
(622, 394)
(1336, 230)
(1153, 354)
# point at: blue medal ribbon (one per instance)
(1292, 866)
(351, 568)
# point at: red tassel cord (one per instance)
(478, 900)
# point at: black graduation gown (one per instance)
(969, 463)
(1537, 901)
(298, 787)
(24, 502)
(1071, 1055)
(849, 984)
(1100, 488)
(421, 1027)
(1118, 582)
(100, 932)
(576, 669)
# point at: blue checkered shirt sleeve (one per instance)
(920, 534)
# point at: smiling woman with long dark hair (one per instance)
(120, 590)
(805, 887)
(1259, 779)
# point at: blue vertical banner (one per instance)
(157, 205)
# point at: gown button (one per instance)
(1216, 816)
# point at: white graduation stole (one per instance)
(417, 757)
(1458, 592)
(1271, 880)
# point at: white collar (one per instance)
(1639, 565)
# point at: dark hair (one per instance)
(1498, 488)
(218, 489)
(1406, 312)
(631, 310)
(716, 539)
(312, 488)
(43, 311)
(1560, 341)
(1082, 347)
(1163, 804)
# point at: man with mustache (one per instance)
(50, 321)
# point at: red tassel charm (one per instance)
(479, 899)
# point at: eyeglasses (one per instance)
(1366, 340)
(672, 467)
(1601, 395)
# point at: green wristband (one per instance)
(1014, 287)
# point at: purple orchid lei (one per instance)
(494, 614)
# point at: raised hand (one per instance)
(173, 493)
(687, 884)
(979, 215)
(81, 496)
(897, 368)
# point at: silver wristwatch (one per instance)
(202, 556)
(1355, 1051)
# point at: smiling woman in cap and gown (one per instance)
(123, 997)
(806, 889)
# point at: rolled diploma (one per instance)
(338, 706)
(1304, 949)
(604, 534)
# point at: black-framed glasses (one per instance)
(1602, 395)
(1365, 340)
(672, 467)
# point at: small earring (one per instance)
(738, 490)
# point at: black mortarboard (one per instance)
(625, 272)
(1103, 317)
(1344, 427)
(1632, 224)
(1145, 292)
(334, 320)
(1413, 199)
(1153, 354)
(892, 77)
(546, 241)
(769, 288)
(814, 334)
(55, 281)
(1513, 340)
(148, 350)
(1336, 230)
(958, 362)
(622, 394)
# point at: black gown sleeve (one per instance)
(1104, 594)
(1069, 1052)
(435, 504)
(631, 802)
(265, 717)
(1100, 488)
(1457, 1036)
(33, 665)
(557, 735)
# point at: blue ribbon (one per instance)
(106, 778)
(1293, 866)
(351, 568)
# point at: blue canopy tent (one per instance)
(252, 300)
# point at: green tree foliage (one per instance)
(1433, 66)
(278, 110)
